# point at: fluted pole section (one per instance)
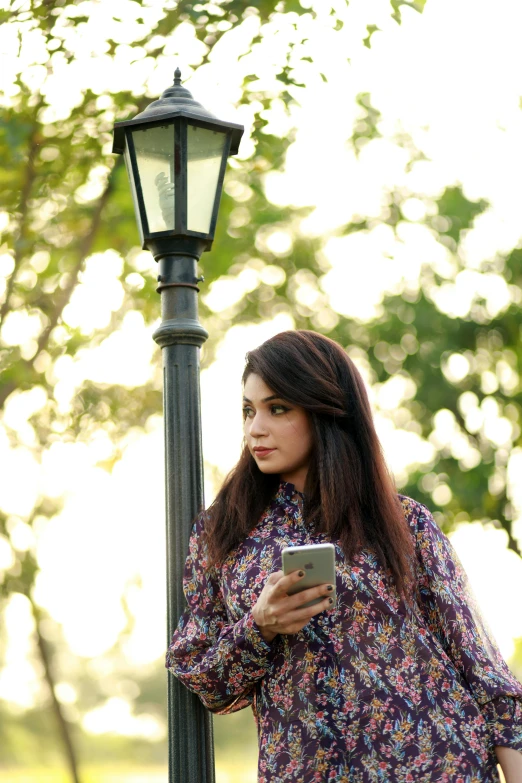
(180, 335)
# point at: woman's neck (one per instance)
(297, 479)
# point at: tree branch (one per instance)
(30, 173)
(63, 725)
(83, 251)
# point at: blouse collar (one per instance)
(287, 493)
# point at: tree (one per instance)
(70, 217)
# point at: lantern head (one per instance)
(176, 153)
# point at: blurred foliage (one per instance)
(68, 197)
(30, 737)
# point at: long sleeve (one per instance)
(219, 660)
(452, 614)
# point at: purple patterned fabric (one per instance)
(370, 691)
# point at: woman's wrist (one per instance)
(267, 635)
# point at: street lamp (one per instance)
(176, 153)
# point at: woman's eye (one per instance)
(279, 409)
(247, 412)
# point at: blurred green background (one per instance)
(375, 199)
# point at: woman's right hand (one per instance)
(277, 612)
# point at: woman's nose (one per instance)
(258, 426)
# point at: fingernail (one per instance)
(300, 573)
(330, 600)
(330, 588)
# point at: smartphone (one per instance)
(318, 563)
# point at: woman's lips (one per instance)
(260, 452)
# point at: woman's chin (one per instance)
(268, 469)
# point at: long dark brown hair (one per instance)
(349, 493)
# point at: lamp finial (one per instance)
(177, 77)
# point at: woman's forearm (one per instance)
(510, 761)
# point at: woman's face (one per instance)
(278, 433)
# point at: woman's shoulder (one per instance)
(417, 514)
(430, 539)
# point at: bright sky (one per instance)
(452, 79)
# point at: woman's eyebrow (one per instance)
(266, 399)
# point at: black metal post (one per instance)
(177, 248)
(180, 335)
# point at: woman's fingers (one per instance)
(281, 602)
(298, 599)
(296, 619)
(294, 609)
(277, 612)
(284, 583)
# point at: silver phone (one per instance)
(318, 563)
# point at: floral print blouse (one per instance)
(372, 690)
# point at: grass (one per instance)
(232, 773)
(238, 773)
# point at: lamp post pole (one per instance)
(180, 335)
(176, 153)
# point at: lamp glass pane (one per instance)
(155, 158)
(204, 153)
(130, 174)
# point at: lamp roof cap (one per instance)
(176, 101)
(174, 97)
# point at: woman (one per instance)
(399, 681)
